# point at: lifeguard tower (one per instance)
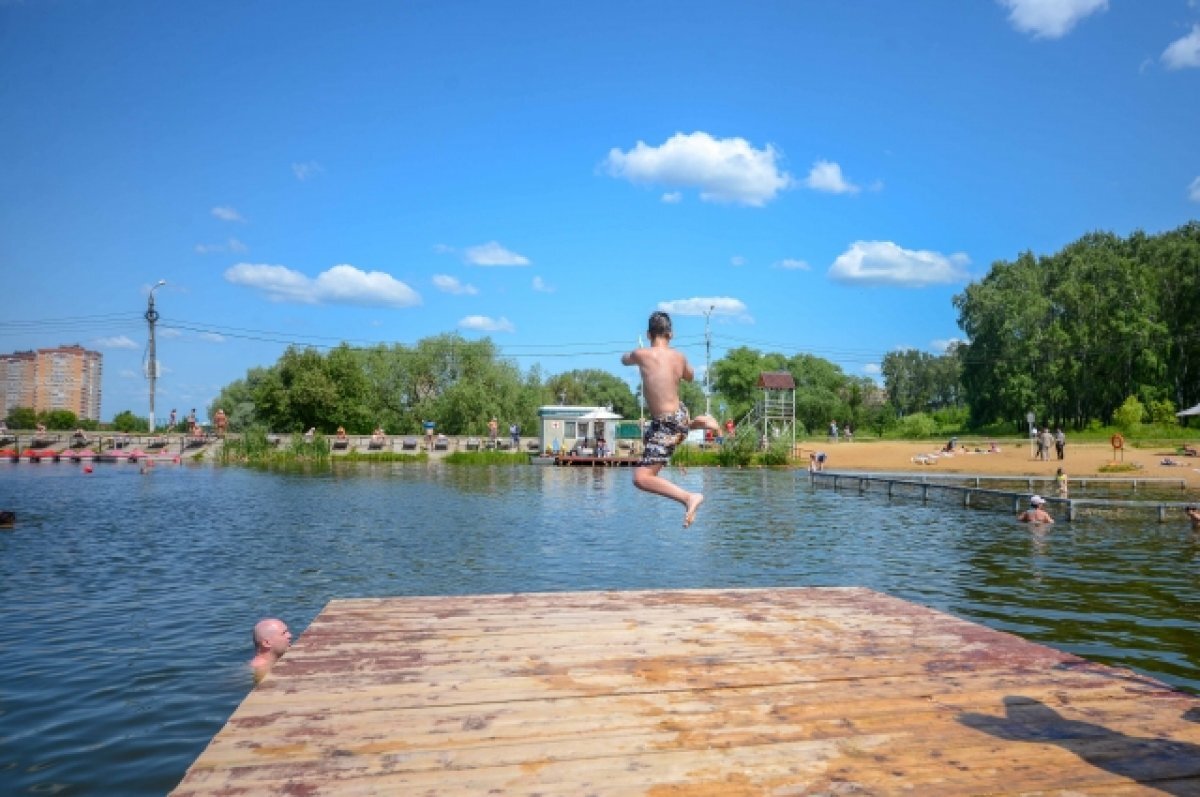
(774, 414)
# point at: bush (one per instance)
(1129, 416)
(778, 453)
(916, 426)
(736, 452)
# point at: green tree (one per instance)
(593, 388)
(126, 421)
(1129, 416)
(59, 419)
(22, 418)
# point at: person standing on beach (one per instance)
(271, 640)
(1060, 442)
(662, 368)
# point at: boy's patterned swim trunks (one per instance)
(662, 435)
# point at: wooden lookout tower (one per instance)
(775, 415)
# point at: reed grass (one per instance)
(487, 458)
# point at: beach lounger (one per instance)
(503, 445)
(408, 444)
(441, 444)
(375, 445)
(195, 442)
(341, 444)
(533, 446)
(472, 444)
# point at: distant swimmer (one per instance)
(271, 640)
(1035, 513)
(7, 519)
(662, 368)
(1193, 514)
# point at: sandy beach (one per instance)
(1083, 459)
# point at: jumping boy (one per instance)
(662, 367)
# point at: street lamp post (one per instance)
(708, 361)
(152, 363)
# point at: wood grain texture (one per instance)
(691, 693)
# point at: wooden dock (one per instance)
(723, 693)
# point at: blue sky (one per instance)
(825, 176)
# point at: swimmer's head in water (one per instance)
(660, 325)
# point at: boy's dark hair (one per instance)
(660, 325)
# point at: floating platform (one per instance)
(969, 494)
(697, 693)
(567, 460)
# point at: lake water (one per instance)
(126, 601)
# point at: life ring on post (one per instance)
(1118, 442)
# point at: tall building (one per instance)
(63, 378)
(16, 380)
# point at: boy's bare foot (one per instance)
(693, 503)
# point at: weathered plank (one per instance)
(689, 693)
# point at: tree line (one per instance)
(1073, 336)
(1106, 330)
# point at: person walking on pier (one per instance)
(662, 368)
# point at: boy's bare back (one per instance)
(661, 367)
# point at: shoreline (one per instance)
(1013, 459)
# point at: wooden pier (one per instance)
(723, 693)
(965, 489)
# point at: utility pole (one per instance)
(708, 361)
(152, 363)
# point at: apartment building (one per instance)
(62, 378)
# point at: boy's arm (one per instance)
(629, 358)
(688, 374)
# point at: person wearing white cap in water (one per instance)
(1035, 513)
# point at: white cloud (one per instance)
(1183, 52)
(540, 286)
(493, 254)
(482, 323)
(792, 264)
(699, 306)
(724, 170)
(885, 263)
(941, 345)
(169, 332)
(128, 373)
(342, 284)
(443, 249)
(873, 369)
(827, 176)
(211, 337)
(1050, 19)
(232, 245)
(448, 284)
(227, 214)
(1194, 190)
(115, 342)
(737, 261)
(306, 170)
(672, 197)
